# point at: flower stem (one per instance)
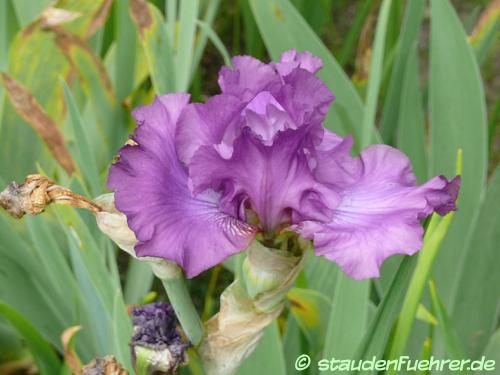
(141, 366)
(183, 306)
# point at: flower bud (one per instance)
(156, 341)
(264, 268)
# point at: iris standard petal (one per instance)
(248, 77)
(151, 189)
(379, 211)
(210, 123)
(305, 97)
(276, 179)
(292, 59)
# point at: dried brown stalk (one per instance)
(36, 193)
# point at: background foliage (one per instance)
(419, 75)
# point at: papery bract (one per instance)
(203, 179)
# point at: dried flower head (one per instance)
(156, 338)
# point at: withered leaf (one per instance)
(141, 15)
(32, 112)
(70, 356)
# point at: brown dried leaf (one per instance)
(70, 356)
(364, 49)
(66, 41)
(99, 18)
(141, 15)
(32, 112)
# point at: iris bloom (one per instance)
(201, 180)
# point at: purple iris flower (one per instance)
(201, 180)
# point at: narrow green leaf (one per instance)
(411, 125)
(171, 14)
(377, 335)
(425, 315)
(409, 34)
(138, 281)
(350, 40)
(188, 14)
(492, 352)
(476, 296)
(294, 344)
(321, 273)
(348, 318)
(28, 10)
(452, 345)
(214, 38)
(210, 12)
(316, 13)
(122, 330)
(376, 66)
(111, 132)
(458, 121)
(45, 358)
(268, 357)
(85, 158)
(156, 44)
(125, 60)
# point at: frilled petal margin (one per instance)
(151, 189)
(379, 212)
(248, 77)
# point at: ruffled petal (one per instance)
(266, 117)
(276, 180)
(210, 123)
(379, 211)
(292, 59)
(151, 189)
(248, 77)
(305, 97)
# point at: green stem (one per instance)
(142, 366)
(182, 304)
(209, 300)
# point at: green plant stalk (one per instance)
(183, 306)
(209, 299)
(141, 366)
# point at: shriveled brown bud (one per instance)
(36, 193)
